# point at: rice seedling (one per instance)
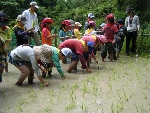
(22, 101)
(126, 98)
(136, 108)
(70, 106)
(20, 110)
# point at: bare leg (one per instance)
(72, 65)
(24, 73)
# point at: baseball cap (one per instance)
(22, 18)
(120, 21)
(67, 52)
(34, 4)
(90, 15)
(47, 20)
(3, 19)
(102, 25)
(78, 24)
(66, 22)
(109, 16)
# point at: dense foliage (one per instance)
(77, 10)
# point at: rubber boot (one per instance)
(72, 65)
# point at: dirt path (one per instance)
(122, 86)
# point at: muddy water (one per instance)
(122, 86)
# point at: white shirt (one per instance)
(133, 25)
(25, 53)
(32, 20)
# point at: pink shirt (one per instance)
(89, 38)
(109, 32)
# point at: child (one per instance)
(78, 47)
(76, 31)
(56, 56)
(110, 29)
(93, 41)
(3, 52)
(91, 28)
(46, 31)
(65, 32)
(5, 33)
(122, 30)
(21, 32)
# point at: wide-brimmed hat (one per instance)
(22, 19)
(45, 52)
(47, 20)
(66, 22)
(34, 4)
(78, 24)
(67, 52)
(109, 16)
(101, 38)
(3, 19)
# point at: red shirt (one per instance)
(74, 44)
(109, 32)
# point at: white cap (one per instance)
(22, 18)
(34, 4)
(67, 52)
(78, 24)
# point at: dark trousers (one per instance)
(131, 36)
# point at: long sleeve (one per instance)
(56, 62)
(35, 65)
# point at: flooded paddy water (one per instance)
(122, 86)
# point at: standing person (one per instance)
(76, 30)
(91, 28)
(90, 18)
(3, 52)
(133, 26)
(46, 31)
(5, 35)
(32, 21)
(65, 33)
(122, 31)
(78, 47)
(110, 29)
(25, 59)
(21, 32)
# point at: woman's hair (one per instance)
(111, 20)
(62, 26)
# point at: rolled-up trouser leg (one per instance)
(24, 73)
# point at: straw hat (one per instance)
(45, 53)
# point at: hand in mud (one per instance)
(46, 84)
(88, 70)
(63, 77)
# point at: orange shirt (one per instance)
(46, 32)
